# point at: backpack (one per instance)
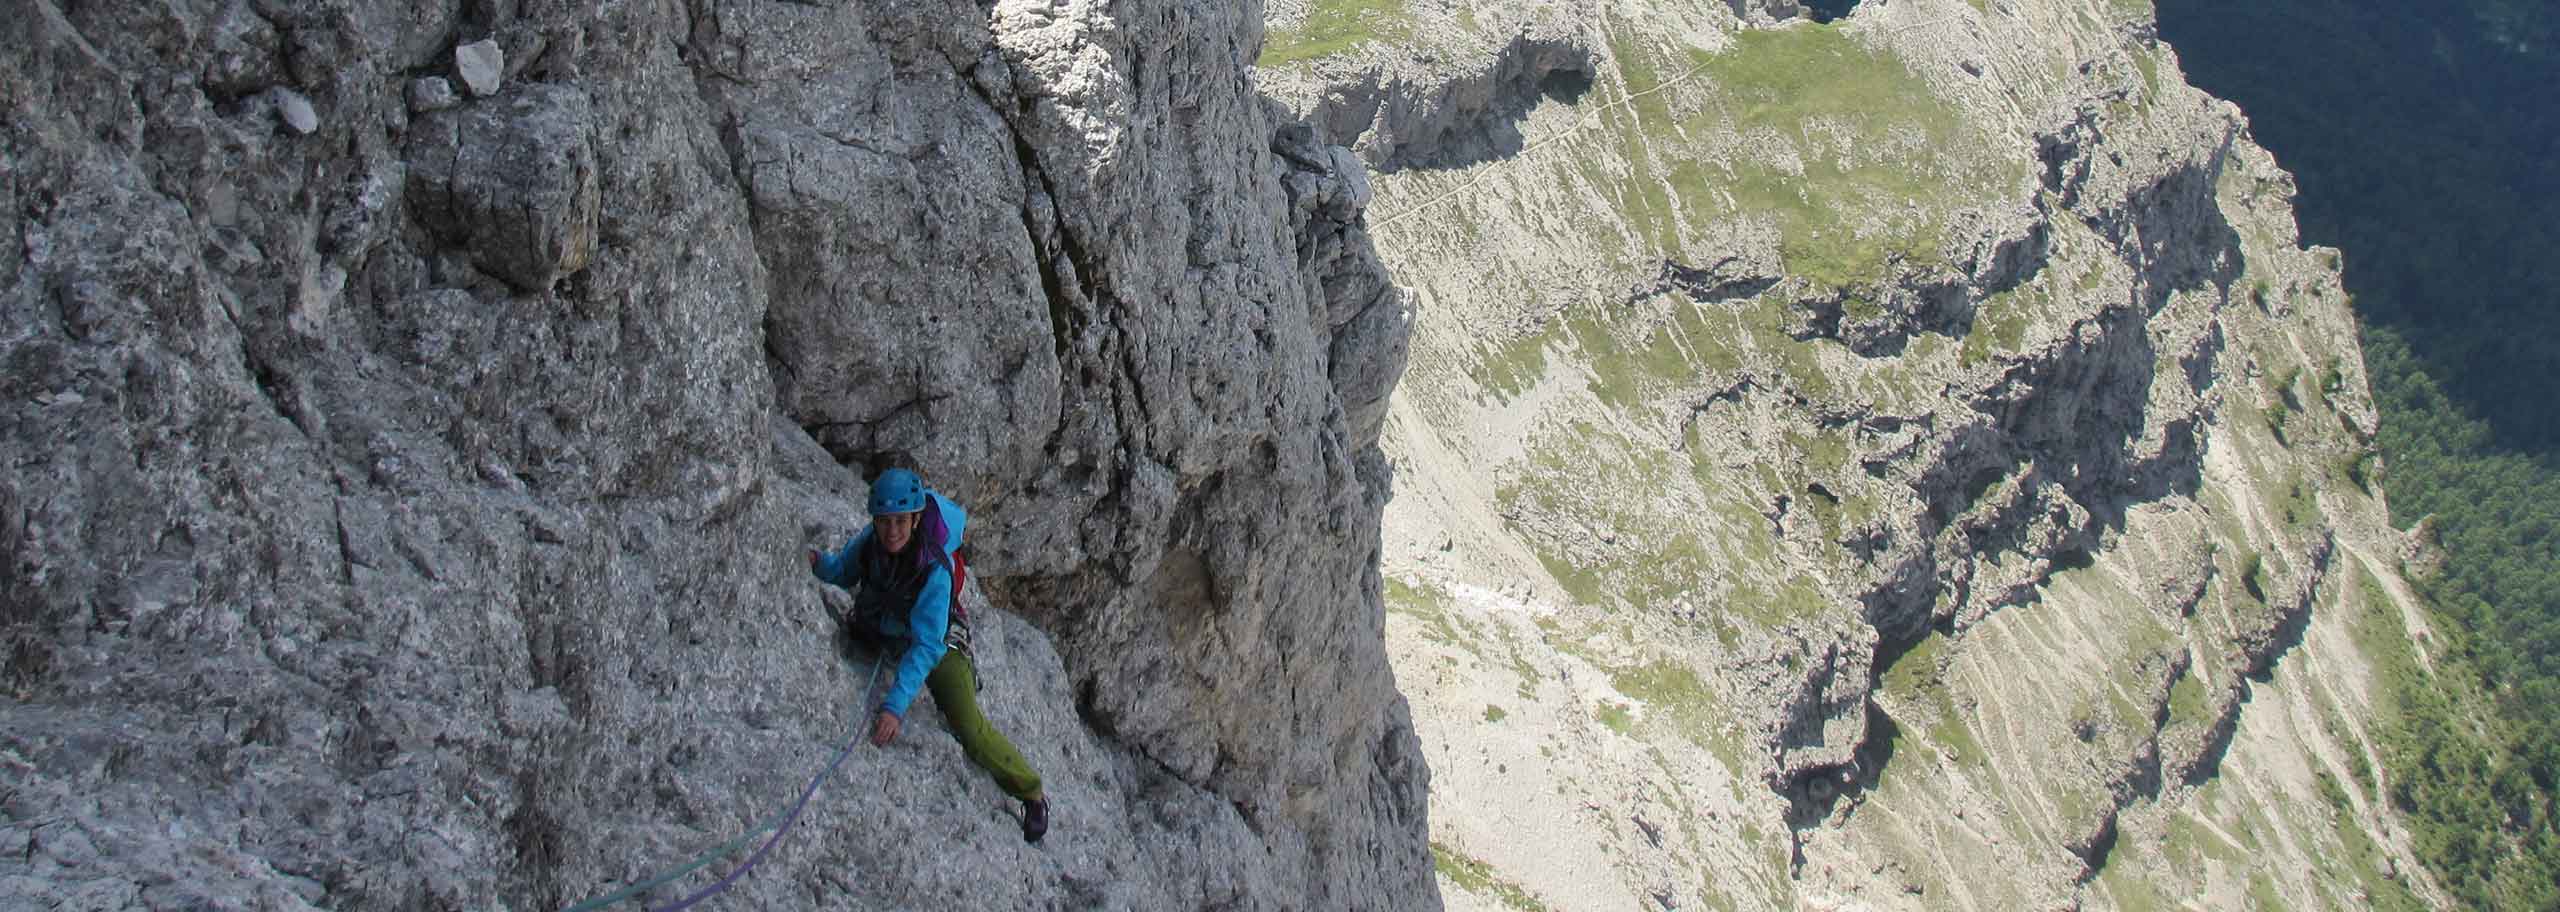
(930, 533)
(959, 567)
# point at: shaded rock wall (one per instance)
(1450, 95)
(405, 501)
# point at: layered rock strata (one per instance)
(1895, 462)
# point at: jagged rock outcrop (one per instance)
(1400, 109)
(512, 183)
(1399, 121)
(407, 500)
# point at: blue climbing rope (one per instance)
(779, 824)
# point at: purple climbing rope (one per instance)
(778, 825)
(722, 885)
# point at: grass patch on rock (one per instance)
(1519, 662)
(1836, 144)
(1335, 26)
(1631, 356)
(1630, 364)
(2132, 893)
(2362, 859)
(1916, 670)
(1479, 878)
(1917, 678)
(2383, 638)
(2148, 61)
(1435, 610)
(1616, 717)
(1509, 369)
(1999, 325)
(1605, 515)
(2187, 704)
(1769, 605)
(1678, 696)
(2191, 839)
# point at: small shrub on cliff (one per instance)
(2253, 574)
(1617, 718)
(2358, 467)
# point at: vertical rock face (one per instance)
(513, 183)
(409, 514)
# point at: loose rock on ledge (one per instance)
(480, 64)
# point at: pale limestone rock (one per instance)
(481, 65)
(295, 111)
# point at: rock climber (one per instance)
(905, 571)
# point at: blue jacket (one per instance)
(928, 622)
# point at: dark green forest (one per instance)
(2425, 139)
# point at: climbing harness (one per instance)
(779, 823)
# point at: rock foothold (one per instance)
(430, 93)
(480, 64)
(295, 111)
(514, 183)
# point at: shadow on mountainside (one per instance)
(1493, 133)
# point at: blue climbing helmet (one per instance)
(896, 491)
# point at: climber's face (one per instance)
(896, 530)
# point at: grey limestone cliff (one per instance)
(415, 415)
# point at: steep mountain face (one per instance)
(1908, 461)
(417, 413)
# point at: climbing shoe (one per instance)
(1035, 819)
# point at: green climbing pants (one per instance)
(954, 684)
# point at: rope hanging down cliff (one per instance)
(779, 823)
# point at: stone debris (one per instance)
(1652, 833)
(481, 64)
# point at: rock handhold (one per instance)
(245, 54)
(480, 64)
(295, 111)
(430, 93)
(514, 183)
